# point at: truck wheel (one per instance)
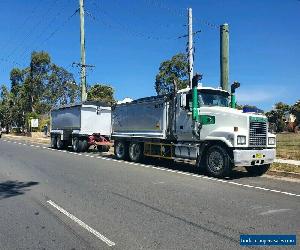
(121, 150)
(76, 145)
(53, 141)
(59, 143)
(84, 146)
(135, 151)
(218, 161)
(258, 170)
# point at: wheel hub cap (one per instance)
(215, 161)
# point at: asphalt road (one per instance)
(53, 199)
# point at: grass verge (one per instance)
(285, 167)
(288, 146)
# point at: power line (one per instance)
(126, 29)
(12, 36)
(45, 40)
(180, 13)
(36, 40)
(23, 55)
(31, 31)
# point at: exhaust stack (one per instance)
(224, 56)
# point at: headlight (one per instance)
(271, 140)
(241, 140)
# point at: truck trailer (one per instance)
(197, 123)
(81, 126)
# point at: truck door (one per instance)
(183, 118)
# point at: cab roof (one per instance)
(204, 88)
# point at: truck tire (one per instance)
(84, 146)
(218, 161)
(59, 143)
(135, 151)
(76, 145)
(258, 170)
(121, 150)
(53, 141)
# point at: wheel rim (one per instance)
(120, 150)
(57, 143)
(134, 151)
(215, 161)
(75, 145)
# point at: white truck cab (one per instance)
(245, 134)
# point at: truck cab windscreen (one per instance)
(213, 98)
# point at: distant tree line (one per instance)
(36, 89)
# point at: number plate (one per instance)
(258, 156)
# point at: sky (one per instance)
(127, 41)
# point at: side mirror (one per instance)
(234, 86)
(183, 100)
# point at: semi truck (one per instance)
(196, 123)
(81, 126)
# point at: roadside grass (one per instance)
(285, 167)
(288, 146)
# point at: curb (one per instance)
(284, 161)
(26, 138)
(283, 174)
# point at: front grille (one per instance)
(258, 134)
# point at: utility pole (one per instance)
(82, 53)
(224, 56)
(190, 46)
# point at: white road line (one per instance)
(82, 224)
(275, 211)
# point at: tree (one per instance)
(101, 92)
(6, 104)
(16, 79)
(18, 97)
(282, 107)
(35, 90)
(36, 78)
(174, 69)
(295, 110)
(276, 116)
(61, 88)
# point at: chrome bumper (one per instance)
(249, 157)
